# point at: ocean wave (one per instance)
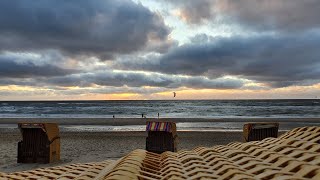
(173, 109)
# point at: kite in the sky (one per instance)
(174, 94)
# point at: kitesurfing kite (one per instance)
(174, 94)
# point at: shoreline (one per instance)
(142, 121)
(138, 124)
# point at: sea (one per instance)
(286, 108)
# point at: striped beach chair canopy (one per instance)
(161, 126)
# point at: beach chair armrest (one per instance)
(55, 138)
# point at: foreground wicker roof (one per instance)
(295, 155)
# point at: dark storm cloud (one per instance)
(13, 68)
(34, 70)
(109, 78)
(134, 79)
(95, 27)
(277, 60)
(206, 83)
(289, 15)
(18, 81)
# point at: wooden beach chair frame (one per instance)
(260, 131)
(162, 136)
(40, 143)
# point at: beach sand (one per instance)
(85, 146)
(81, 147)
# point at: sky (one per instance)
(148, 49)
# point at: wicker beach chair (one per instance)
(162, 136)
(259, 131)
(40, 143)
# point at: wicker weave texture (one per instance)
(294, 155)
(73, 171)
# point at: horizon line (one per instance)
(44, 100)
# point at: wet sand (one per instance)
(142, 121)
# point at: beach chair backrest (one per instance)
(260, 131)
(40, 143)
(162, 136)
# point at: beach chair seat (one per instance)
(40, 143)
(162, 137)
(259, 131)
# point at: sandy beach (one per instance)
(81, 147)
(94, 146)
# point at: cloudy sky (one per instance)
(148, 49)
